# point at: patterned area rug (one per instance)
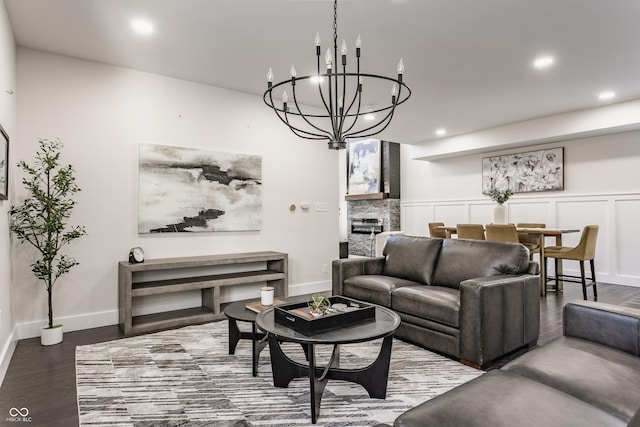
(185, 377)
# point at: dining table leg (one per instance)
(543, 267)
(559, 264)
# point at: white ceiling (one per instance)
(468, 62)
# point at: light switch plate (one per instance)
(322, 206)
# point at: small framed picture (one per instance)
(4, 164)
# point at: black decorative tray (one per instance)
(297, 317)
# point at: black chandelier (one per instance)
(343, 113)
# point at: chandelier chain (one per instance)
(335, 24)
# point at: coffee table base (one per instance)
(258, 342)
(373, 377)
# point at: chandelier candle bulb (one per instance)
(343, 51)
(292, 71)
(328, 58)
(269, 78)
(317, 41)
(358, 46)
(400, 69)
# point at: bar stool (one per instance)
(470, 231)
(584, 251)
(502, 233)
(531, 242)
(437, 233)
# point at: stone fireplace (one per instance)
(370, 214)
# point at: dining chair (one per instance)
(531, 241)
(437, 233)
(471, 231)
(502, 233)
(584, 251)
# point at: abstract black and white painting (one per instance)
(541, 170)
(364, 166)
(192, 190)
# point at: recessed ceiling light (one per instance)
(316, 80)
(369, 117)
(142, 26)
(542, 62)
(441, 132)
(606, 95)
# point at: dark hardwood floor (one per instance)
(42, 379)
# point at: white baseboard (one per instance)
(70, 323)
(309, 288)
(106, 318)
(7, 353)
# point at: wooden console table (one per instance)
(130, 286)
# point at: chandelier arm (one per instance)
(355, 118)
(343, 112)
(387, 118)
(382, 123)
(320, 86)
(331, 104)
(357, 95)
(304, 117)
(300, 132)
(285, 120)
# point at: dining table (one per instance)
(542, 234)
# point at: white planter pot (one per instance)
(501, 215)
(51, 336)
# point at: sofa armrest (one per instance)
(342, 269)
(498, 314)
(611, 325)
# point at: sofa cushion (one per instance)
(500, 398)
(374, 288)
(435, 303)
(597, 374)
(462, 259)
(411, 258)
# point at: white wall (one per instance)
(102, 113)
(7, 120)
(602, 186)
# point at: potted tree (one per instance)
(41, 220)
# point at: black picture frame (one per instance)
(4, 164)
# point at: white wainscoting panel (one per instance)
(627, 237)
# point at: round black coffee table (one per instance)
(373, 377)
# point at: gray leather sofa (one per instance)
(469, 299)
(588, 377)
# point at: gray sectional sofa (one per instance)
(588, 377)
(469, 299)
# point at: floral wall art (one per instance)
(541, 170)
(191, 190)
